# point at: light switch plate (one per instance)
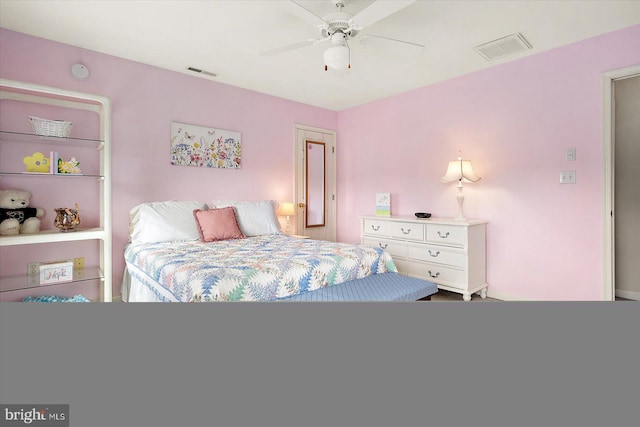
(571, 154)
(33, 269)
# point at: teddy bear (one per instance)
(16, 217)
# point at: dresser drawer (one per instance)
(447, 234)
(437, 254)
(437, 274)
(395, 249)
(407, 231)
(377, 227)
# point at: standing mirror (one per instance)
(315, 188)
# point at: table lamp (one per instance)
(461, 171)
(287, 210)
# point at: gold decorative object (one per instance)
(67, 219)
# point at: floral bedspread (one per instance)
(252, 269)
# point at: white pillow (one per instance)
(164, 221)
(254, 218)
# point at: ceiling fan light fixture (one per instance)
(340, 26)
(336, 57)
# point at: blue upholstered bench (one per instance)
(378, 287)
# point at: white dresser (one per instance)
(447, 252)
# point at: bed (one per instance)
(235, 251)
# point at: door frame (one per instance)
(609, 283)
(331, 184)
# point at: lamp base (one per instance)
(460, 198)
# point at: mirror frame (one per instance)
(311, 176)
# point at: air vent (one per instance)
(199, 71)
(503, 47)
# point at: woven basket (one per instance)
(44, 127)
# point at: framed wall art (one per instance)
(202, 146)
(383, 204)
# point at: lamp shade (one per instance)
(287, 209)
(337, 57)
(460, 170)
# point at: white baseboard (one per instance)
(507, 297)
(504, 297)
(621, 293)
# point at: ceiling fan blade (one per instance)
(399, 46)
(292, 46)
(301, 12)
(376, 11)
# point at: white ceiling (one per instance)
(226, 38)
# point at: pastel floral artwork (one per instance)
(37, 162)
(201, 146)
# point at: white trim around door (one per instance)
(327, 139)
(608, 288)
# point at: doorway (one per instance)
(315, 183)
(621, 94)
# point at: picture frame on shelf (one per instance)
(383, 204)
(56, 272)
(69, 167)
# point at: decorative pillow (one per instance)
(164, 221)
(254, 218)
(217, 224)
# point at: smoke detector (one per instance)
(80, 72)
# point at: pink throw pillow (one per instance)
(217, 224)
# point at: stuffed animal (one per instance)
(16, 217)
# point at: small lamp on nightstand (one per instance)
(287, 210)
(461, 171)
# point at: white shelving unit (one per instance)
(33, 93)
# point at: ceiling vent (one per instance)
(503, 47)
(199, 71)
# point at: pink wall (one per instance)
(514, 121)
(145, 101)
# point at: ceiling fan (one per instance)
(340, 27)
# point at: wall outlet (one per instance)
(33, 269)
(568, 177)
(78, 263)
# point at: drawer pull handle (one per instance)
(444, 236)
(405, 232)
(375, 228)
(385, 246)
(434, 255)
(434, 275)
